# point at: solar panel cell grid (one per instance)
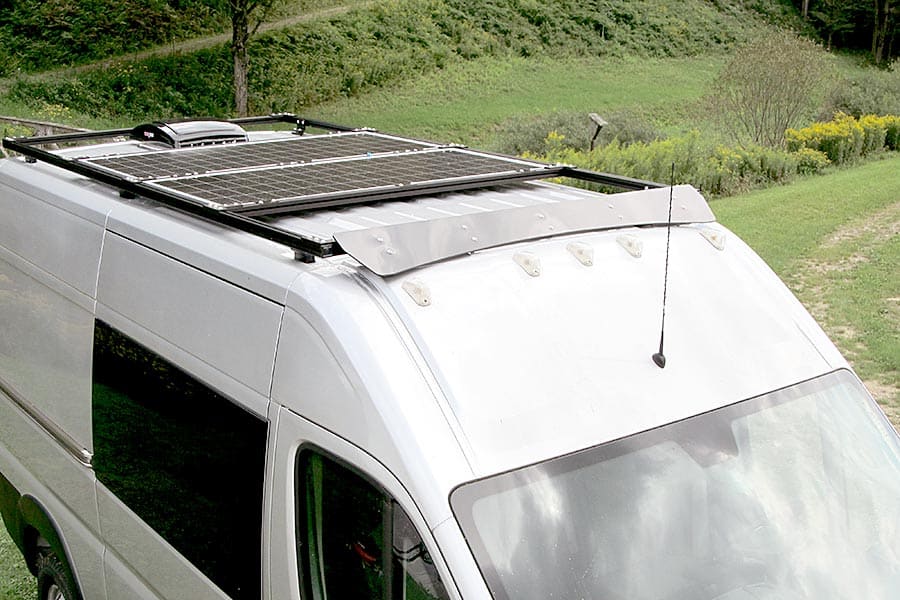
(313, 180)
(207, 159)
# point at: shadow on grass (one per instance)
(16, 583)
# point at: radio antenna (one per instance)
(659, 358)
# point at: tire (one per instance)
(54, 581)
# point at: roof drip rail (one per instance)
(293, 175)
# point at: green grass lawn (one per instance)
(466, 101)
(835, 240)
(16, 583)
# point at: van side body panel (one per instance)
(220, 333)
(48, 272)
(230, 329)
(66, 499)
(49, 260)
(135, 548)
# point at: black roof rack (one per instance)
(208, 168)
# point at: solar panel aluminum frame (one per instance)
(252, 219)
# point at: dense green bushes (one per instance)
(873, 91)
(311, 63)
(716, 170)
(47, 34)
(528, 134)
(191, 85)
(396, 39)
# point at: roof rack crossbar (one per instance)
(252, 219)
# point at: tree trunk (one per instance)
(240, 35)
(805, 9)
(882, 30)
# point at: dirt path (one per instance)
(814, 281)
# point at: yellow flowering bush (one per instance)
(845, 138)
(892, 132)
(810, 161)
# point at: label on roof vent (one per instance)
(190, 133)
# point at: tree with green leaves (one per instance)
(862, 24)
(833, 17)
(761, 92)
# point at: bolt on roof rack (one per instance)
(212, 170)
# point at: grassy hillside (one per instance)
(40, 35)
(393, 41)
(474, 101)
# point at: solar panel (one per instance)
(309, 182)
(216, 158)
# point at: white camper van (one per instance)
(291, 365)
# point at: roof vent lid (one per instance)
(190, 133)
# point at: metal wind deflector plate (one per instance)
(395, 249)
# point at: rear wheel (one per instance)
(54, 582)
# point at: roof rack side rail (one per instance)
(617, 181)
(300, 123)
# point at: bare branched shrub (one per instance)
(770, 85)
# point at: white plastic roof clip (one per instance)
(583, 252)
(418, 291)
(530, 263)
(714, 237)
(632, 244)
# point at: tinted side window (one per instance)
(188, 461)
(355, 541)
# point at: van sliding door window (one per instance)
(185, 459)
(355, 541)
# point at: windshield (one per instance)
(792, 495)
